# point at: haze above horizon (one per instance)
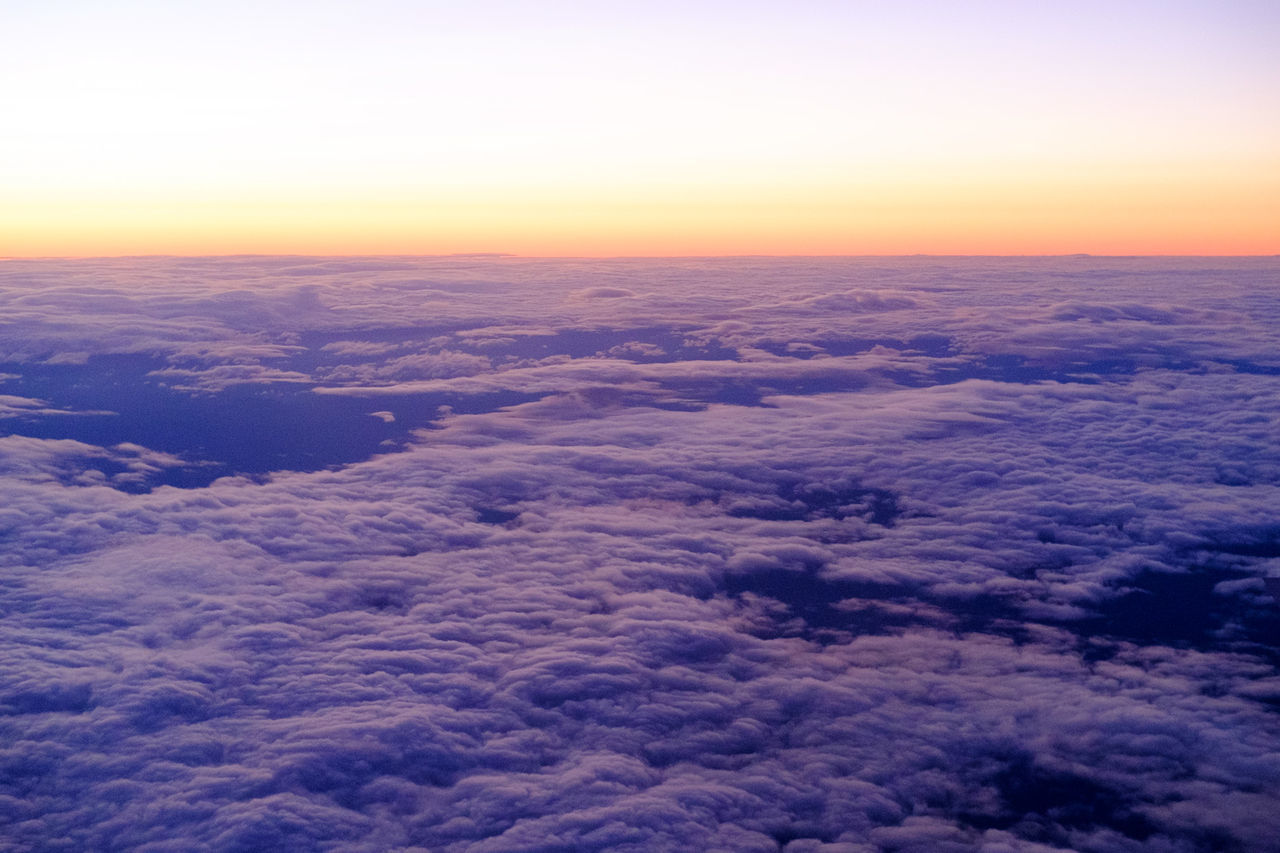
(595, 129)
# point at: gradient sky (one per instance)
(573, 128)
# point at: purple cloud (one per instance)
(969, 554)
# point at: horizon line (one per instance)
(725, 256)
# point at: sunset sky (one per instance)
(663, 128)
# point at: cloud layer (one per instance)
(814, 555)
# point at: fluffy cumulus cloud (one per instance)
(492, 554)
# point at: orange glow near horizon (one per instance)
(1216, 217)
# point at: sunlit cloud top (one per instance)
(611, 128)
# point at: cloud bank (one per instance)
(802, 555)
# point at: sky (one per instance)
(608, 128)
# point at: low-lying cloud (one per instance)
(946, 555)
